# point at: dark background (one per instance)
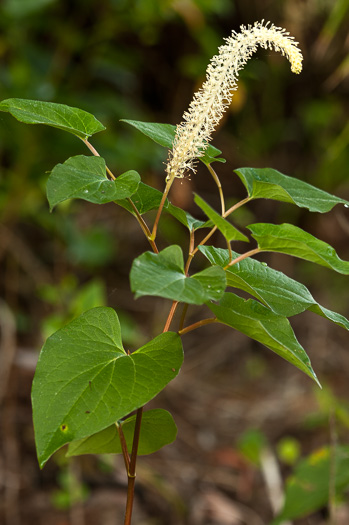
(142, 60)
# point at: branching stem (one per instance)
(199, 324)
(242, 257)
(139, 217)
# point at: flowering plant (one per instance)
(86, 385)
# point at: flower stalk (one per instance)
(214, 97)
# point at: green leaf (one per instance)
(228, 230)
(145, 199)
(164, 135)
(258, 322)
(267, 183)
(307, 490)
(283, 295)
(85, 381)
(163, 275)
(289, 239)
(184, 217)
(158, 429)
(74, 120)
(85, 178)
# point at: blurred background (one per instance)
(234, 399)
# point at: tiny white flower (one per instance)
(213, 98)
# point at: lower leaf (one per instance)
(85, 381)
(158, 429)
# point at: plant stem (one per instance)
(242, 257)
(125, 453)
(162, 203)
(170, 316)
(96, 154)
(131, 471)
(218, 182)
(199, 324)
(236, 206)
(139, 217)
(144, 226)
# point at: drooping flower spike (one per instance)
(214, 97)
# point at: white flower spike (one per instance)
(214, 97)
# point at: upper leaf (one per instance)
(85, 381)
(260, 323)
(158, 429)
(267, 183)
(85, 178)
(163, 275)
(286, 238)
(74, 120)
(228, 230)
(164, 135)
(283, 295)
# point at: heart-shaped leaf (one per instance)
(267, 183)
(85, 381)
(228, 230)
(157, 430)
(163, 275)
(260, 323)
(286, 238)
(164, 135)
(283, 295)
(74, 120)
(85, 178)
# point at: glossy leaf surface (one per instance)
(267, 183)
(85, 381)
(74, 120)
(158, 429)
(260, 323)
(163, 275)
(85, 178)
(283, 295)
(289, 239)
